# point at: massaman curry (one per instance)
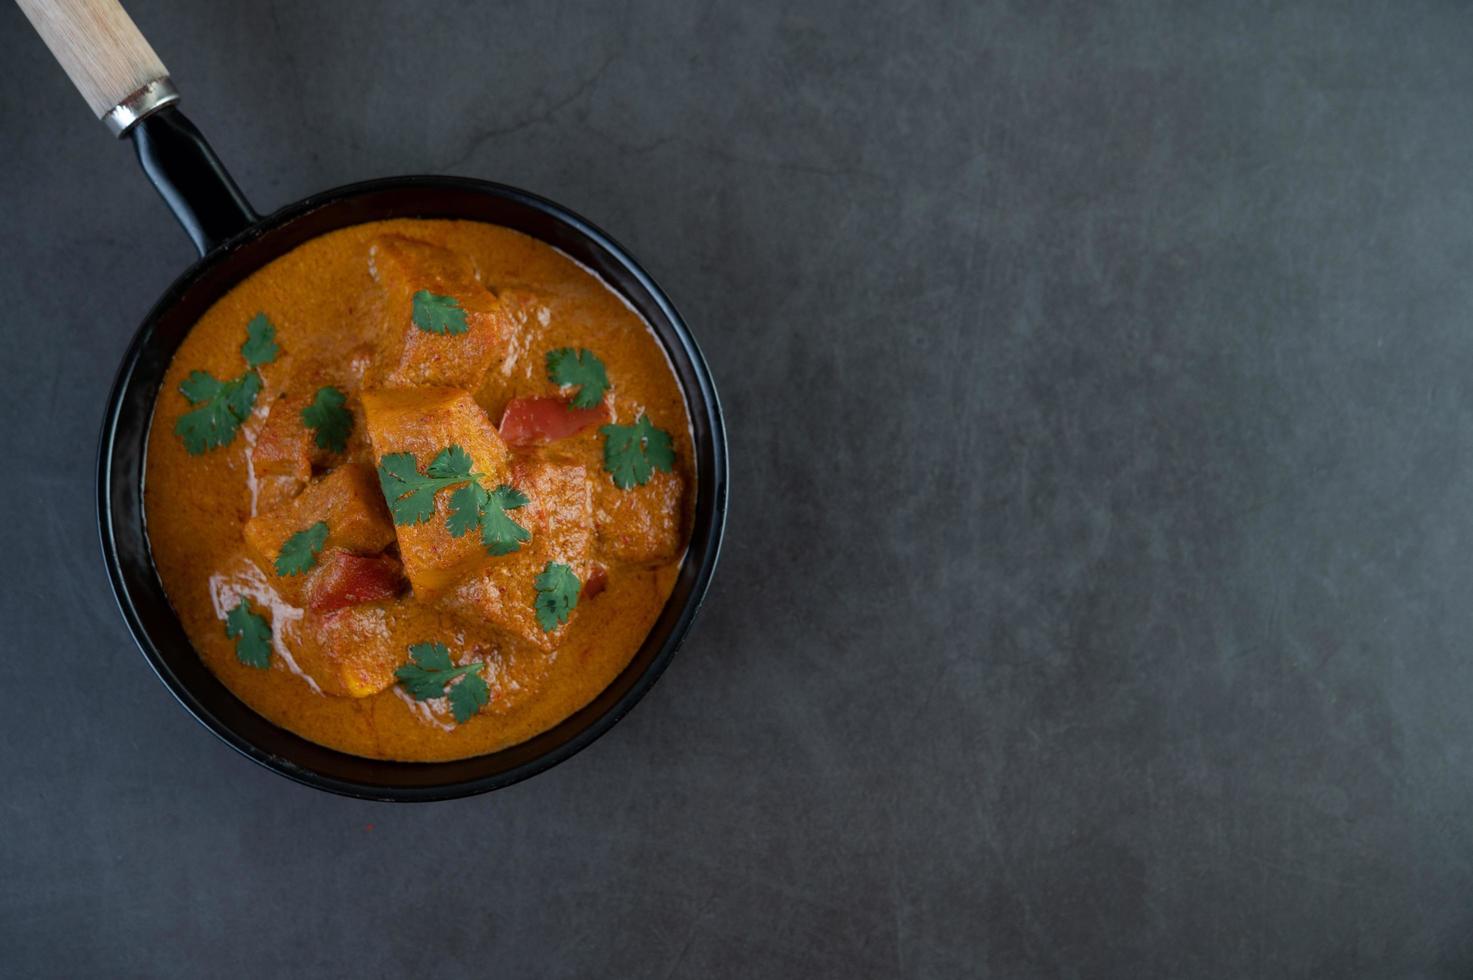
(419, 489)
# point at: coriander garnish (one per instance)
(410, 493)
(566, 366)
(328, 419)
(474, 506)
(299, 552)
(438, 314)
(557, 595)
(260, 346)
(251, 633)
(433, 671)
(411, 497)
(223, 405)
(633, 452)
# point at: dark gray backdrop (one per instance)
(1097, 592)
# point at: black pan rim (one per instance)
(706, 551)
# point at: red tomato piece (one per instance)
(344, 579)
(598, 580)
(535, 421)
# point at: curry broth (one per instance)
(331, 316)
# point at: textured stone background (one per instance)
(1097, 595)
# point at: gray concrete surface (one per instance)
(1099, 591)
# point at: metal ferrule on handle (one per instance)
(149, 99)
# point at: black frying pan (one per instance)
(130, 90)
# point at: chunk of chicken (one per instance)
(348, 500)
(352, 652)
(410, 356)
(423, 422)
(641, 525)
(285, 446)
(559, 513)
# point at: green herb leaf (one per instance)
(411, 494)
(299, 552)
(329, 419)
(424, 679)
(499, 533)
(200, 386)
(468, 697)
(465, 509)
(451, 463)
(240, 394)
(557, 595)
(411, 497)
(434, 313)
(473, 506)
(251, 633)
(260, 346)
(222, 407)
(432, 671)
(566, 366)
(633, 452)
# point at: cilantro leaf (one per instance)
(499, 533)
(241, 394)
(206, 428)
(451, 463)
(566, 366)
(251, 633)
(411, 497)
(465, 509)
(557, 595)
(299, 552)
(329, 419)
(200, 386)
(411, 494)
(633, 452)
(432, 671)
(222, 407)
(468, 697)
(260, 346)
(434, 313)
(425, 678)
(474, 506)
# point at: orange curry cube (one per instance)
(515, 673)
(641, 525)
(351, 652)
(410, 356)
(424, 422)
(559, 513)
(347, 499)
(285, 446)
(286, 452)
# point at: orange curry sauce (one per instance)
(342, 309)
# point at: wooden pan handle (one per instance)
(109, 61)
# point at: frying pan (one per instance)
(129, 89)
